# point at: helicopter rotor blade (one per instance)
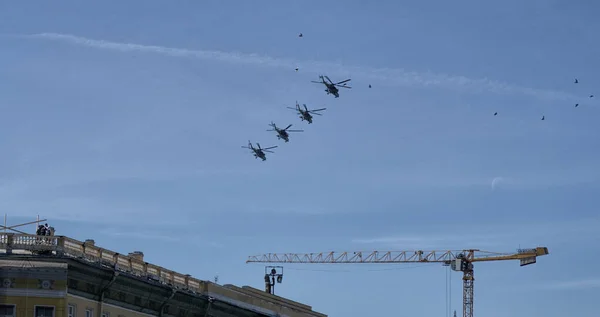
(305, 109)
(271, 147)
(343, 86)
(287, 127)
(328, 79)
(316, 82)
(258, 144)
(343, 81)
(268, 151)
(315, 110)
(295, 130)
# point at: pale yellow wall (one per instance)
(81, 304)
(26, 291)
(25, 304)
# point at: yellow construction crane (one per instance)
(457, 260)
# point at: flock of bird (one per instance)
(576, 105)
(305, 115)
(577, 82)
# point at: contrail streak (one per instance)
(398, 77)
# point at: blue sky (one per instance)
(122, 121)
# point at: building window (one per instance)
(105, 314)
(89, 312)
(7, 310)
(71, 311)
(44, 311)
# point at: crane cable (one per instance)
(448, 292)
(446, 280)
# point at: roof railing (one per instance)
(65, 246)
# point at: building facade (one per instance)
(58, 276)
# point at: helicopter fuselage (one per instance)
(331, 89)
(306, 116)
(260, 154)
(282, 134)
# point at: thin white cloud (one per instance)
(152, 235)
(77, 174)
(140, 235)
(297, 210)
(392, 76)
(573, 285)
(542, 180)
(432, 242)
(487, 236)
(433, 177)
(84, 210)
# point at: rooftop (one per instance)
(134, 264)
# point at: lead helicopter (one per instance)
(332, 88)
(305, 115)
(283, 133)
(258, 151)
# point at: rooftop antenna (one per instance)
(216, 278)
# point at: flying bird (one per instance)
(576, 105)
(296, 68)
(543, 118)
(369, 85)
(495, 113)
(300, 35)
(576, 81)
(591, 96)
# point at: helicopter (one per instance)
(306, 114)
(283, 133)
(258, 151)
(331, 87)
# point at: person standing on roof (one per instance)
(40, 230)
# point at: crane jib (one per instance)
(462, 261)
